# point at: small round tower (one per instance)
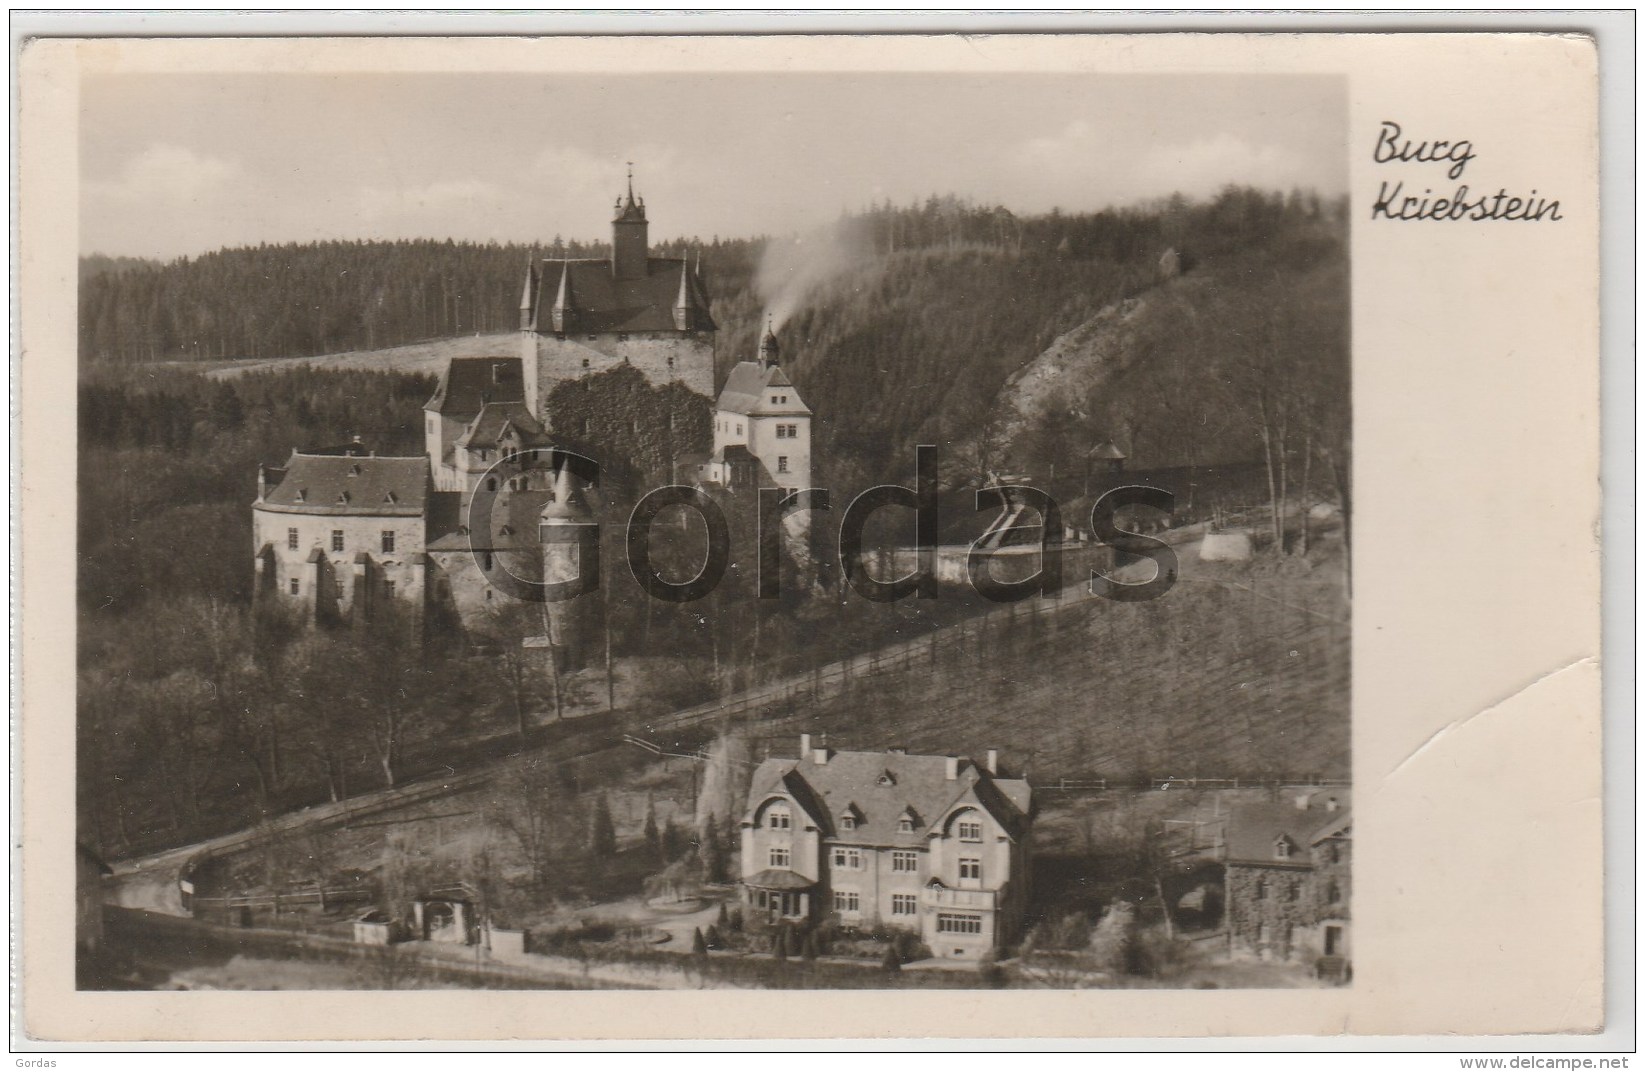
(569, 536)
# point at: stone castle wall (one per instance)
(663, 357)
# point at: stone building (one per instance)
(342, 533)
(937, 845)
(584, 316)
(1288, 872)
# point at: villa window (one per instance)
(585, 362)
(782, 463)
(779, 858)
(336, 539)
(777, 818)
(847, 901)
(958, 923)
(904, 904)
(296, 587)
(782, 431)
(905, 826)
(848, 822)
(291, 539)
(903, 860)
(969, 830)
(388, 541)
(848, 859)
(971, 867)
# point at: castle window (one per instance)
(491, 483)
(296, 587)
(1292, 892)
(971, 867)
(1261, 893)
(291, 539)
(388, 541)
(739, 429)
(1333, 893)
(782, 463)
(388, 588)
(955, 923)
(485, 564)
(671, 361)
(488, 595)
(904, 904)
(336, 539)
(585, 362)
(431, 426)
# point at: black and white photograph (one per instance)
(707, 530)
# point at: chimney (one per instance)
(819, 756)
(262, 482)
(993, 761)
(951, 767)
(1302, 801)
(805, 745)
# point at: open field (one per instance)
(427, 358)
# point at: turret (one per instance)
(686, 305)
(629, 244)
(769, 350)
(527, 294)
(565, 303)
(569, 537)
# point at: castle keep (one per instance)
(459, 532)
(584, 316)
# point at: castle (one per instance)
(464, 530)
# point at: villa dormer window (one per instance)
(1282, 848)
(905, 825)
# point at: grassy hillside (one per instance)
(1241, 670)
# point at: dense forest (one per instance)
(900, 325)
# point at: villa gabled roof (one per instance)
(884, 786)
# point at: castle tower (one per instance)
(568, 534)
(630, 246)
(583, 317)
(762, 430)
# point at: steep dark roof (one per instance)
(512, 525)
(597, 301)
(880, 787)
(468, 383)
(488, 425)
(332, 484)
(1106, 450)
(745, 391)
(1253, 829)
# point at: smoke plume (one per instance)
(792, 269)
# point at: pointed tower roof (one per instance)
(770, 352)
(630, 207)
(564, 300)
(567, 507)
(530, 284)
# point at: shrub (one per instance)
(699, 943)
(891, 962)
(712, 937)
